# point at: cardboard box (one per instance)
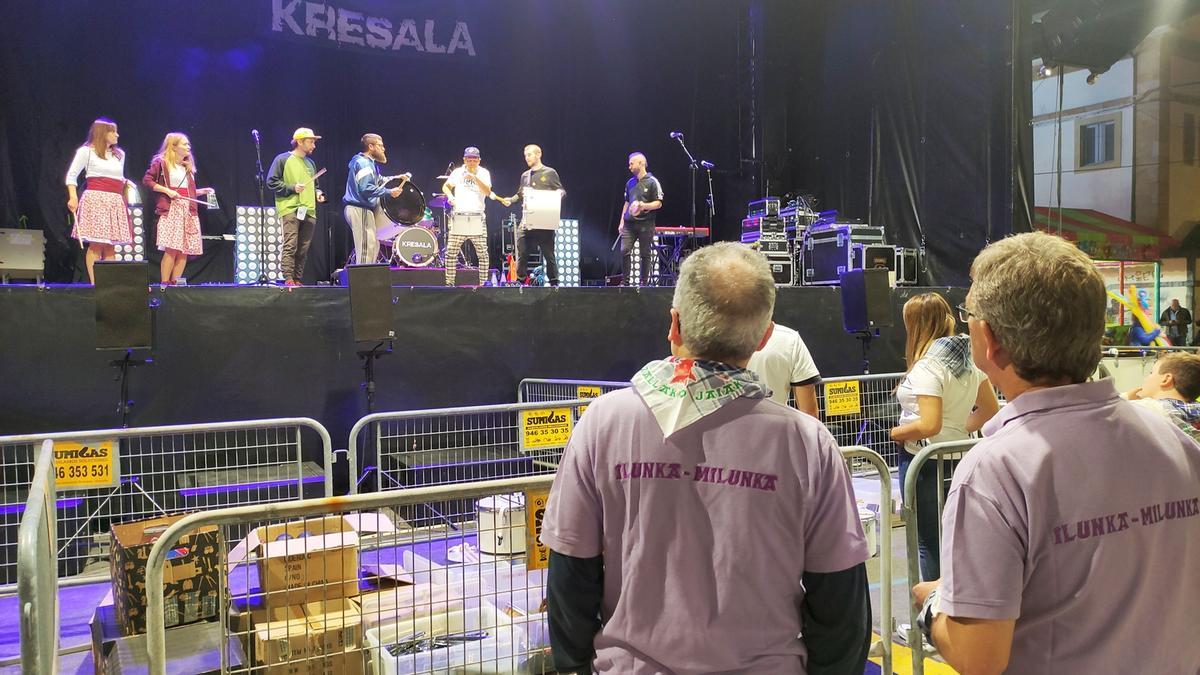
(192, 574)
(104, 630)
(306, 560)
(328, 639)
(335, 626)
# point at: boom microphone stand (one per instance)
(260, 177)
(692, 166)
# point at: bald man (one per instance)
(538, 177)
(643, 196)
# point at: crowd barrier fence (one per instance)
(473, 598)
(442, 446)
(942, 453)
(109, 476)
(533, 389)
(37, 590)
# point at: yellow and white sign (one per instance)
(79, 466)
(537, 554)
(545, 428)
(842, 398)
(587, 391)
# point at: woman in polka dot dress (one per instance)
(101, 216)
(172, 176)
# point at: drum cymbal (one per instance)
(439, 202)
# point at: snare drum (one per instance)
(415, 247)
(468, 224)
(501, 524)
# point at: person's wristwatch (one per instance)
(925, 617)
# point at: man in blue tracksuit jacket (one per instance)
(364, 187)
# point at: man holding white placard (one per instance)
(542, 191)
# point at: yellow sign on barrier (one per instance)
(86, 465)
(545, 427)
(587, 391)
(842, 398)
(537, 556)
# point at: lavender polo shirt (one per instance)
(1079, 516)
(705, 535)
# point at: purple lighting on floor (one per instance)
(60, 505)
(261, 485)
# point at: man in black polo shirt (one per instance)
(643, 196)
(538, 177)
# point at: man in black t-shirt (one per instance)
(643, 196)
(538, 177)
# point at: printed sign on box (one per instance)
(842, 398)
(537, 556)
(545, 428)
(86, 465)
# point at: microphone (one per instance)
(254, 133)
(706, 164)
(676, 134)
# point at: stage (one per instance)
(227, 352)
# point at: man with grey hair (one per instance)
(695, 525)
(1071, 530)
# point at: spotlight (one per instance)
(1046, 71)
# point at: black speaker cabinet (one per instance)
(371, 302)
(123, 305)
(866, 299)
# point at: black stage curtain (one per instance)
(590, 82)
(912, 115)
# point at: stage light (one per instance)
(258, 241)
(1092, 77)
(566, 251)
(635, 269)
(1046, 71)
(135, 251)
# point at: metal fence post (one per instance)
(37, 591)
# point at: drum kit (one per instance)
(413, 237)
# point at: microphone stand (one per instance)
(692, 166)
(260, 177)
(712, 205)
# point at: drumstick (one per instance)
(316, 176)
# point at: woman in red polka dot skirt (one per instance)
(172, 176)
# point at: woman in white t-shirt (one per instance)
(943, 397)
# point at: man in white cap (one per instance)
(465, 189)
(291, 178)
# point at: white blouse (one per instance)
(93, 166)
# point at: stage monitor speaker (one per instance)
(371, 302)
(866, 300)
(122, 305)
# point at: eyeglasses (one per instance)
(964, 314)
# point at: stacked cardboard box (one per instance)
(192, 574)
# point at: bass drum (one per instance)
(415, 247)
(408, 208)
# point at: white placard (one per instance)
(542, 209)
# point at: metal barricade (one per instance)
(942, 453)
(109, 476)
(855, 456)
(37, 592)
(457, 445)
(472, 598)
(462, 594)
(861, 410)
(533, 389)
